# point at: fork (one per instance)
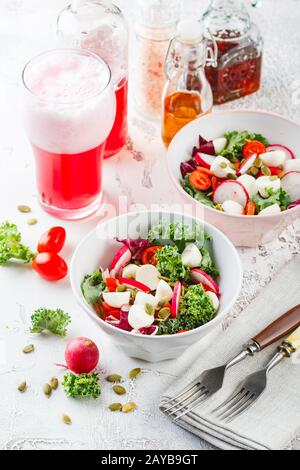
(255, 384)
(211, 381)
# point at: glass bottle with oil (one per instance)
(187, 94)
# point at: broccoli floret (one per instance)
(92, 287)
(55, 321)
(170, 264)
(11, 247)
(82, 386)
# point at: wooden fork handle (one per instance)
(281, 327)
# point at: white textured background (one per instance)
(30, 420)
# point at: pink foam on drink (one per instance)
(69, 113)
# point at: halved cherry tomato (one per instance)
(52, 241)
(112, 284)
(253, 147)
(107, 308)
(204, 170)
(115, 313)
(149, 255)
(50, 266)
(181, 331)
(275, 171)
(200, 180)
(250, 208)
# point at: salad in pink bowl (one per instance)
(242, 173)
(164, 285)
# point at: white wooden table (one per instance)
(30, 421)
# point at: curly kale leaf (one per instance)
(196, 309)
(54, 321)
(177, 234)
(170, 264)
(279, 197)
(207, 263)
(237, 141)
(92, 287)
(11, 247)
(82, 386)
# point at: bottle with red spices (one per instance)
(240, 50)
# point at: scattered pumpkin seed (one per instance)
(115, 407)
(266, 171)
(66, 419)
(114, 378)
(149, 309)
(47, 390)
(134, 373)
(121, 288)
(54, 383)
(22, 387)
(119, 390)
(24, 209)
(129, 407)
(164, 314)
(163, 302)
(28, 349)
(32, 221)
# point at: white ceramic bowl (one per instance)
(244, 231)
(99, 248)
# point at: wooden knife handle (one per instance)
(281, 327)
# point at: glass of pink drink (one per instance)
(70, 108)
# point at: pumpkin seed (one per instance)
(258, 163)
(121, 288)
(47, 390)
(134, 373)
(32, 222)
(114, 378)
(66, 419)
(164, 314)
(163, 302)
(28, 349)
(119, 390)
(149, 309)
(133, 294)
(223, 165)
(232, 176)
(24, 209)
(254, 171)
(54, 383)
(22, 387)
(129, 407)
(273, 178)
(115, 407)
(266, 171)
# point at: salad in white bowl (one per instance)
(164, 285)
(242, 173)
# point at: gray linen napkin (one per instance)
(273, 423)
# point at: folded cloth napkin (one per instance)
(273, 422)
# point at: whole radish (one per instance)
(82, 355)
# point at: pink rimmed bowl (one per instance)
(244, 231)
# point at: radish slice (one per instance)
(142, 299)
(133, 284)
(275, 158)
(292, 165)
(205, 160)
(214, 300)
(231, 191)
(149, 276)
(129, 272)
(176, 299)
(139, 318)
(295, 204)
(116, 299)
(249, 183)
(271, 210)
(200, 277)
(288, 153)
(291, 185)
(163, 291)
(247, 165)
(121, 260)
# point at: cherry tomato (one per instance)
(250, 208)
(200, 180)
(253, 147)
(50, 266)
(182, 331)
(275, 171)
(52, 241)
(116, 313)
(149, 255)
(112, 284)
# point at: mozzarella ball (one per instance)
(130, 271)
(292, 165)
(163, 291)
(139, 318)
(221, 167)
(275, 158)
(220, 144)
(267, 182)
(271, 210)
(233, 208)
(142, 299)
(214, 300)
(191, 256)
(249, 183)
(149, 276)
